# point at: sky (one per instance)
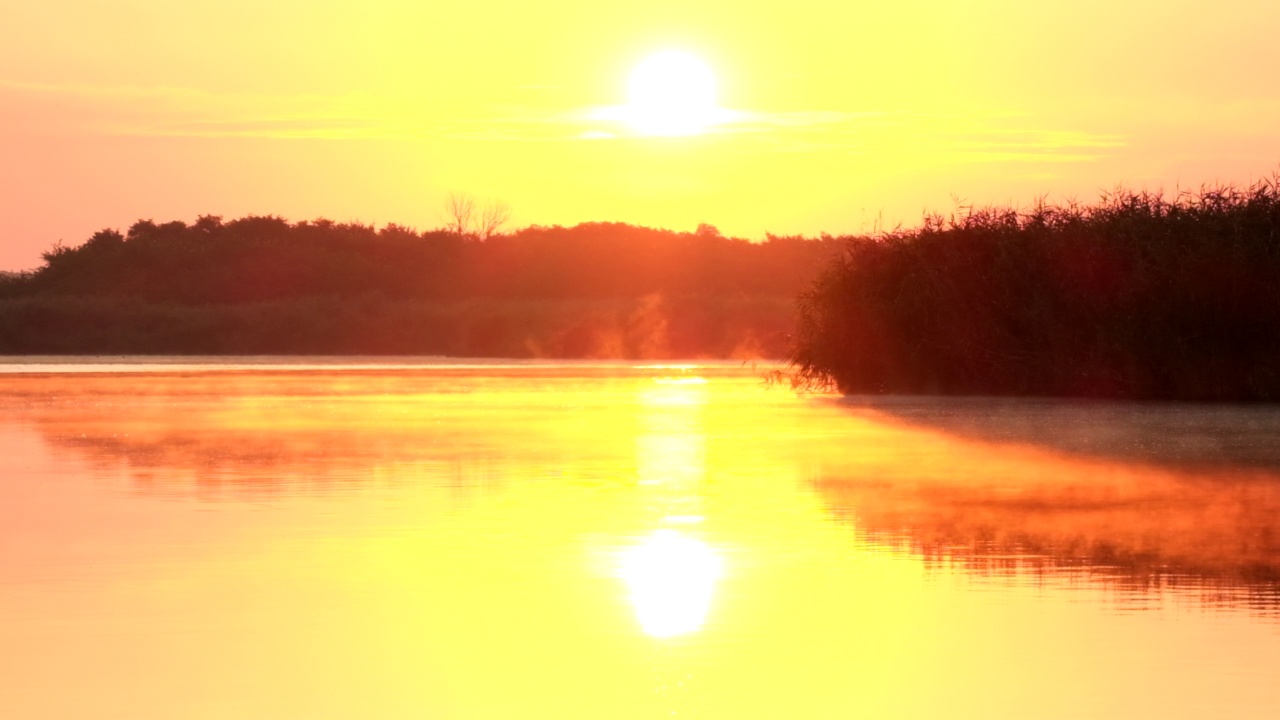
(836, 117)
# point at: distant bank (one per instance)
(1137, 296)
(262, 285)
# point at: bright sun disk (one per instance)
(671, 93)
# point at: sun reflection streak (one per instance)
(670, 449)
(672, 579)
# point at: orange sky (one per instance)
(845, 114)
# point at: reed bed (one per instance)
(1136, 296)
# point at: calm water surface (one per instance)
(313, 539)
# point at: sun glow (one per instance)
(671, 578)
(671, 93)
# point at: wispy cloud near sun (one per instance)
(185, 112)
(162, 111)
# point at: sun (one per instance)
(671, 93)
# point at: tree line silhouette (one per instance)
(265, 285)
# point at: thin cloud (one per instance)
(994, 137)
(330, 128)
(185, 112)
(166, 111)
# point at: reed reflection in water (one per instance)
(1142, 494)
(582, 541)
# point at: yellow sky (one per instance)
(846, 114)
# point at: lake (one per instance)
(365, 538)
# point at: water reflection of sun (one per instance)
(670, 447)
(671, 578)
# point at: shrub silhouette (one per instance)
(1137, 296)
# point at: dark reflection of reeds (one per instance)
(1193, 435)
(1145, 498)
(1137, 583)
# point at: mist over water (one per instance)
(584, 540)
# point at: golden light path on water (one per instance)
(671, 576)
(590, 541)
